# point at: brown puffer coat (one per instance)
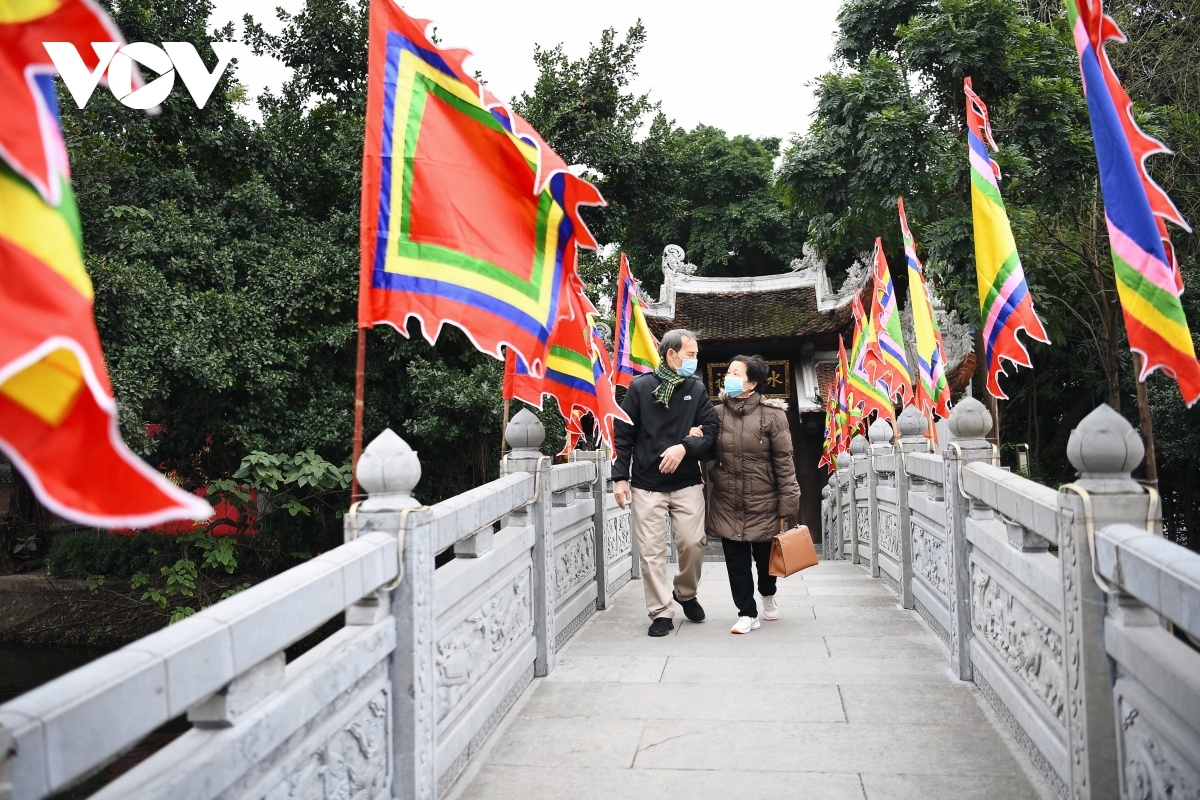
(752, 478)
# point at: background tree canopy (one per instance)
(890, 121)
(225, 251)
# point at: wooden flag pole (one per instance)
(360, 372)
(504, 428)
(994, 402)
(1144, 414)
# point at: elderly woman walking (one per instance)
(752, 485)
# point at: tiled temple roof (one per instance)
(797, 303)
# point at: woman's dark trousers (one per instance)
(738, 556)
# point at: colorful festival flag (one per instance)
(58, 417)
(1148, 279)
(830, 439)
(1004, 300)
(887, 346)
(865, 393)
(845, 419)
(30, 138)
(635, 350)
(573, 428)
(933, 393)
(575, 374)
(468, 217)
(519, 383)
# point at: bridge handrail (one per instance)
(77, 723)
(1163, 576)
(572, 475)
(926, 466)
(461, 516)
(1038, 593)
(1025, 502)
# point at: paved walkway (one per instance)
(847, 695)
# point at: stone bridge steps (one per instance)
(845, 696)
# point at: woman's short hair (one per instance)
(756, 370)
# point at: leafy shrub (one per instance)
(82, 554)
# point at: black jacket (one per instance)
(656, 427)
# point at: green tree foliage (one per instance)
(890, 121)
(225, 258)
(710, 193)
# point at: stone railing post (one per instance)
(525, 434)
(1104, 449)
(858, 454)
(388, 471)
(827, 518)
(842, 495)
(969, 422)
(880, 438)
(600, 492)
(912, 424)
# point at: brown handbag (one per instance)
(792, 551)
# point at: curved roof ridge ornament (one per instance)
(856, 276)
(807, 273)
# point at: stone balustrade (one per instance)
(394, 704)
(1077, 621)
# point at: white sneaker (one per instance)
(770, 609)
(745, 625)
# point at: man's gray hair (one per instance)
(673, 340)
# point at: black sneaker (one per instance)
(691, 608)
(661, 626)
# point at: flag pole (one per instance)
(504, 428)
(360, 371)
(1144, 414)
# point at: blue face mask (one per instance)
(734, 386)
(688, 368)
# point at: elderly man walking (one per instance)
(661, 460)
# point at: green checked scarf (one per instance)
(670, 380)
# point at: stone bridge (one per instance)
(969, 634)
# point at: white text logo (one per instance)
(167, 60)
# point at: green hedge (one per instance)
(83, 553)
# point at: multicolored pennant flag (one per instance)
(575, 375)
(933, 393)
(1005, 303)
(519, 383)
(30, 138)
(830, 440)
(58, 417)
(887, 347)
(573, 427)
(1149, 282)
(468, 217)
(846, 419)
(635, 350)
(865, 392)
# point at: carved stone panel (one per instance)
(617, 541)
(1030, 648)
(929, 558)
(574, 563)
(1151, 768)
(353, 763)
(864, 524)
(479, 641)
(889, 533)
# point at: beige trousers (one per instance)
(650, 510)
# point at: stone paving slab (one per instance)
(527, 783)
(846, 697)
